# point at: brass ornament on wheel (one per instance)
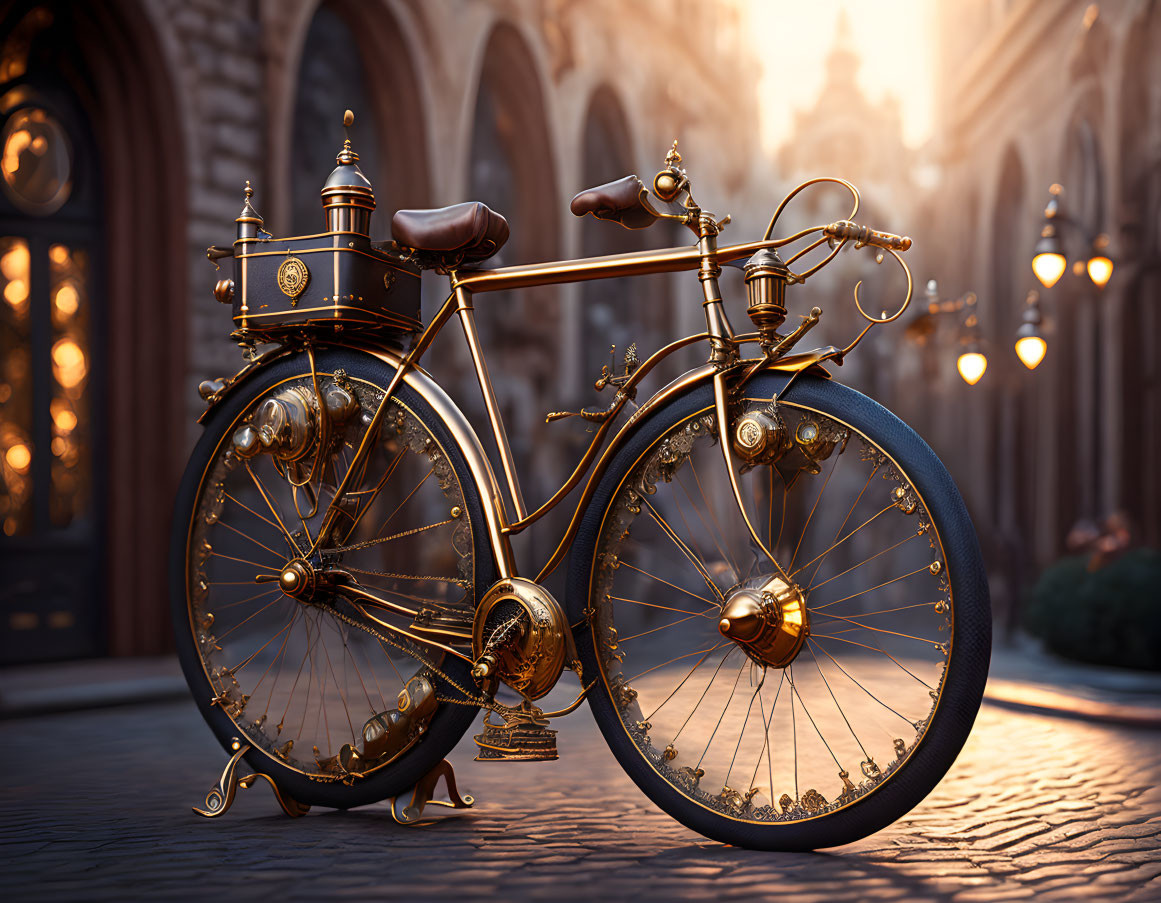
(769, 621)
(519, 636)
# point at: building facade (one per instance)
(155, 113)
(1033, 93)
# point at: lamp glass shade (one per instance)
(1049, 267)
(971, 366)
(1031, 350)
(1100, 270)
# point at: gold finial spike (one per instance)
(347, 154)
(248, 192)
(673, 158)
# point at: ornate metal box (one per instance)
(321, 282)
(325, 280)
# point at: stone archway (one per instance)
(107, 57)
(356, 56)
(512, 168)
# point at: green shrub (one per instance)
(1110, 616)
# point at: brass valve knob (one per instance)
(224, 291)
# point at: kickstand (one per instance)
(421, 796)
(221, 795)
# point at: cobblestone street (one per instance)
(97, 807)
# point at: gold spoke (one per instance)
(700, 699)
(822, 636)
(871, 590)
(860, 686)
(683, 611)
(667, 583)
(836, 703)
(835, 545)
(887, 611)
(635, 636)
(257, 564)
(725, 708)
(766, 742)
(835, 541)
(745, 722)
(277, 555)
(710, 530)
(810, 517)
(905, 636)
(281, 659)
(248, 618)
(265, 592)
(249, 658)
(407, 498)
(865, 560)
(801, 702)
(693, 559)
(679, 658)
(263, 518)
(366, 506)
(713, 515)
(285, 639)
(269, 504)
(688, 675)
(344, 632)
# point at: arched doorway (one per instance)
(355, 57)
(612, 310)
(511, 168)
(93, 341)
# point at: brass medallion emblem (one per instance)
(293, 277)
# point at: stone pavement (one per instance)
(96, 807)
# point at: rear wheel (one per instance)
(767, 734)
(294, 675)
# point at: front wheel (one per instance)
(833, 703)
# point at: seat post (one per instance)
(467, 321)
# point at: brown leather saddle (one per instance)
(449, 236)
(623, 201)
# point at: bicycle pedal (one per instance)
(523, 737)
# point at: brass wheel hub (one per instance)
(768, 620)
(297, 579)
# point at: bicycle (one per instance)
(346, 597)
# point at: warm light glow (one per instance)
(16, 292)
(1049, 268)
(1031, 350)
(14, 263)
(63, 416)
(66, 300)
(792, 78)
(13, 148)
(68, 363)
(1100, 270)
(58, 253)
(19, 457)
(971, 366)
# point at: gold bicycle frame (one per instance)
(705, 257)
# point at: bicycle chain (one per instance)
(469, 699)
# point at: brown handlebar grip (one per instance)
(845, 230)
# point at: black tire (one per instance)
(450, 720)
(970, 623)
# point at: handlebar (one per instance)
(845, 230)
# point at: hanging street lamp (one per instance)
(1048, 256)
(1030, 344)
